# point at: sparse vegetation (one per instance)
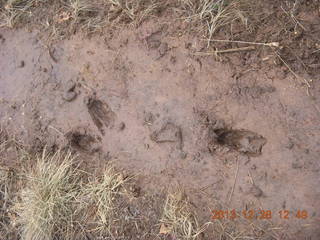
(178, 220)
(211, 15)
(13, 10)
(46, 206)
(6, 198)
(100, 196)
(92, 15)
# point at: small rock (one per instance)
(163, 48)
(183, 155)
(122, 126)
(69, 96)
(256, 191)
(135, 190)
(133, 211)
(154, 44)
(2, 39)
(149, 118)
(289, 144)
(297, 165)
(21, 64)
(70, 86)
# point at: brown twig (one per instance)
(231, 50)
(271, 44)
(234, 183)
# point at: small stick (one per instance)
(51, 55)
(235, 180)
(272, 44)
(226, 51)
(52, 127)
(251, 179)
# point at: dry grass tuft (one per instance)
(6, 196)
(178, 219)
(100, 197)
(89, 15)
(45, 210)
(213, 14)
(132, 11)
(86, 15)
(14, 10)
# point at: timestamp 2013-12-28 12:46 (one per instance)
(258, 214)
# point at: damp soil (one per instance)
(247, 138)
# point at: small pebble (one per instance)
(122, 126)
(69, 96)
(21, 64)
(183, 155)
(297, 165)
(289, 145)
(70, 86)
(253, 167)
(163, 48)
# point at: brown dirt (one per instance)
(244, 133)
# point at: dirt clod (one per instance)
(163, 48)
(21, 64)
(256, 191)
(69, 96)
(70, 86)
(122, 126)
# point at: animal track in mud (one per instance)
(101, 114)
(80, 140)
(253, 92)
(169, 132)
(243, 141)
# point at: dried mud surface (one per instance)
(142, 99)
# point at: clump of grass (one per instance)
(89, 15)
(45, 210)
(178, 219)
(213, 14)
(14, 10)
(6, 197)
(101, 196)
(132, 11)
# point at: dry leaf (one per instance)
(164, 229)
(64, 16)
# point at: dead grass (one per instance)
(7, 185)
(56, 200)
(13, 11)
(92, 16)
(6, 197)
(212, 15)
(245, 229)
(132, 10)
(85, 15)
(99, 197)
(46, 208)
(178, 219)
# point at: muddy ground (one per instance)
(236, 134)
